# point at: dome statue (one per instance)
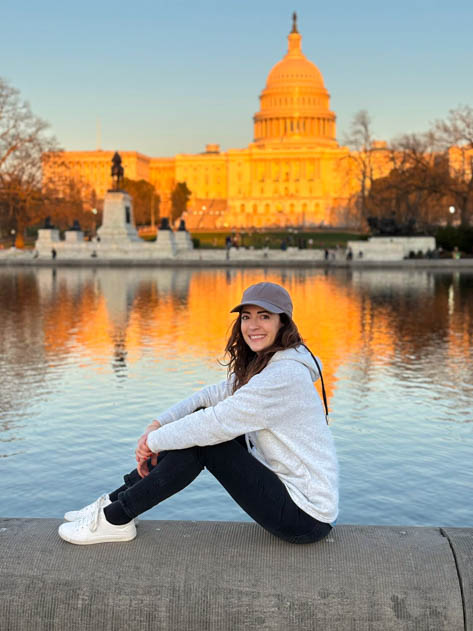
(295, 105)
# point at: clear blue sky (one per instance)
(168, 77)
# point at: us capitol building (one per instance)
(294, 173)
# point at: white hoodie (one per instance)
(280, 412)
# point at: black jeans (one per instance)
(258, 491)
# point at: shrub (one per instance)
(449, 237)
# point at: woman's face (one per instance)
(259, 327)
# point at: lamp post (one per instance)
(201, 213)
(94, 212)
(451, 210)
(153, 219)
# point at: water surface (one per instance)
(89, 356)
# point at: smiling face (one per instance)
(259, 327)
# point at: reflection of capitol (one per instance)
(293, 173)
(177, 313)
(116, 317)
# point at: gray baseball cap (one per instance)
(269, 296)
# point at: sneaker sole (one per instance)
(98, 540)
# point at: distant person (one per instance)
(326, 254)
(53, 253)
(349, 254)
(228, 245)
(284, 245)
(266, 247)
(262, 433)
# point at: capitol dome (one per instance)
(295, 105)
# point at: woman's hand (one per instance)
(143, 452)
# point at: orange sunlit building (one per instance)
(294, 173)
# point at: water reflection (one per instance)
(113, 316)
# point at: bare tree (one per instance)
(23, 138)
(455, 138)
(364, 156)
(179, 198)
(418, 180)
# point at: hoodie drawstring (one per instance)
(322, 382)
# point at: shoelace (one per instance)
(91, 519)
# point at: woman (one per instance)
(262, 433)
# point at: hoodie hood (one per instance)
(301, 355)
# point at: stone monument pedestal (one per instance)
(48, 239)
(118, 226)
(73, 237)
(165, 244)
(182, 238)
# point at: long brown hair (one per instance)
(245, 363)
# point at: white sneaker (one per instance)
(74, 515)
(94, 528)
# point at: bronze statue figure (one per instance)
(117, 171)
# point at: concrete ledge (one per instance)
(231, 576)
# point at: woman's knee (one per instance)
(183, 456)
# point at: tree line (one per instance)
(413, 180)
(423, 180)
(27, 198)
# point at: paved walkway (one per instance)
(292, 257)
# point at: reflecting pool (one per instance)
(89, 356)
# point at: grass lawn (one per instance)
(320, 239)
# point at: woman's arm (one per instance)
(142, 452)
(207, 397)
(258, 404)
